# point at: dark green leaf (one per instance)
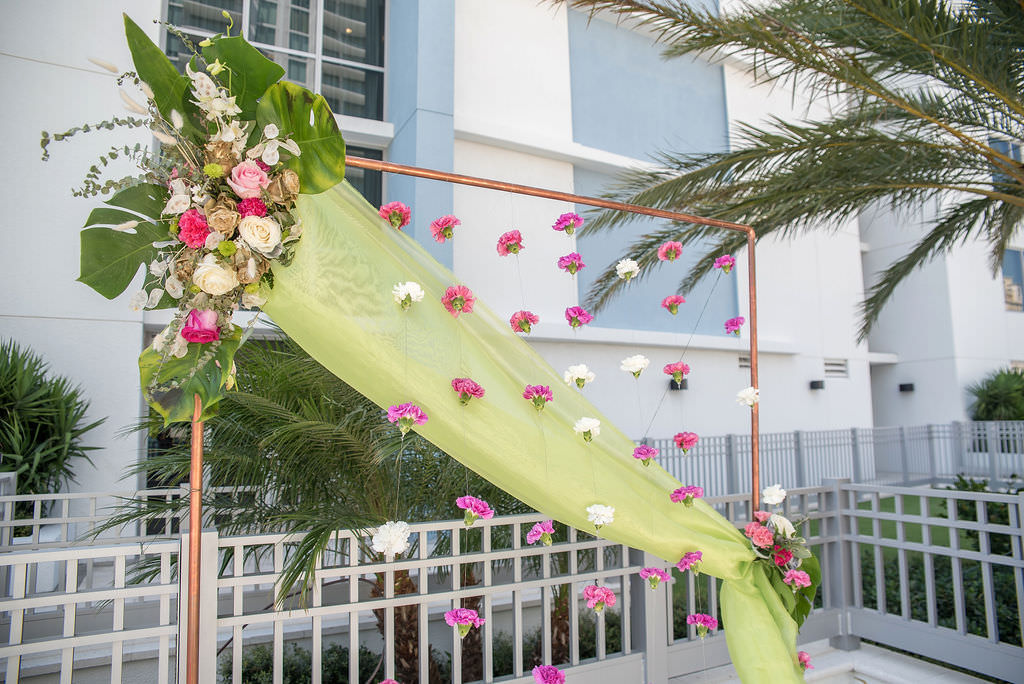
(251, 72)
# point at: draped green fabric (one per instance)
(335, 300)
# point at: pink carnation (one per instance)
(645, 453)
(263, 165)
(406, 415)
(568, 222)
(703, 622)
(690, 561)
(252, 206)
(725, 263)
(458, 299)
(541, 531)
(686, 440)
(510, 243)
(655, 576)
(577, 316)
(548, 674)
(464, 619)
(599, 597)
(467, 389)
(762, 537)
(522, 320)
(539, 395)
(782, 556)
(396, 213)
(201, 327)
(670, 251)
(571, 262)
(475, 508)
(672, 303)
(762, 516)
(797, 578)
(248, 179)
(678, 371)
(805, 660)
(444, 227)
(192, 229)
(687, 495)
(733, 325)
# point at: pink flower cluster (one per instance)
(541, 532)
(464, 619)
(725, 263)
(733, 325)
(467, 389)
(397, 214)
(568, 222)
(670, 251)
(759, 535)
(686, 440)
(201, 326)
(522, 321)
(797, 578)
(655, 576)
(577, 316)
(678, 371)
(690, 561)
(406, 415)
(645, 453)
(475, 509)
(252, 206)
(571, 262)
(548, 674)
(249, 178)
(539, 395)
(687, 495)
(703, 622)
(762, 516)
(672, 303)
(192, 229)
(458, 299)
(599, 597)
(805, 660)
(510, 243)
(444, 228)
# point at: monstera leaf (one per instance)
(251, 72)
(110, 258)
(175, 404)
(308, 120)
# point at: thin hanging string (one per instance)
(686, 347)
(519, 277)
(401, 446)
(639, 404)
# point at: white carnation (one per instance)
(748, 396)
(586, 425)
(635, 364)
(578, 375)
(410, 289)
(391, 538)
(599, 514)
(773, 495)
(782, 525)
(627, 268)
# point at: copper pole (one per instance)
(755, 439)
(195, 536)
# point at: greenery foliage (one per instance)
(932, 90)
(1000, 396)
(42, 422)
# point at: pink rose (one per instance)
(201, 327)
(248, 179)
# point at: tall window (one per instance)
(1013, 279)
(332, 47)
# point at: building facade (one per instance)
(533, 94)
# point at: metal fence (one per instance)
(931, 571)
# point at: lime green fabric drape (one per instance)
(335, 300)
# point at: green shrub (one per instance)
(1000, 396)
(297, 665)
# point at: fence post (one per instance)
(801, 461)
(992, 435)
(958, 447)
(904, 455)
(931, 454)
(649, 619)
(836, 575)
(207, 607)
(858, 470)
(731, 466)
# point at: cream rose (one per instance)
(262, 234)
(214, 279)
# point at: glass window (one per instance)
(368, 183)
(1013, 279)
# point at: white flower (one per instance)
(588, 427)
(627, 268)
(176, 120)
(178, 347)
(268, 153)
(748, 396)
(202, 85)
(126, 226)
(181, 198)
(599, 514)
(635, 364)
(262, 234)
(253, 300)
(782, 525)
(270, 130)
(138, 300)
(155, 295)
(391, 538)
(773, 495)
(214, 279)
(130, 104)
(232, 132)
(174, 287)
(578, 375)
(407, 293)
(219, 107)
(158, 267)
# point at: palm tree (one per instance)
(932, 95)
(296, 450)
(999, 396)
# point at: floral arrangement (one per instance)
(463, 619)
(568, 222)
(672, 302)
(644, 454)
(540, 395)
(510, 243)
(444, 228)
(635, 364)
(475, 508)
(670, 251)
(548, 674)
(725, 263)
(397, 214)
(686, 440)
(655, 576)
(571, 263)
(467, 389)
(733, 325)
(599, 597)
(212, 211)
(687, 495)
(523, 321)
(541, 532)
(588, 428)
(578, 375)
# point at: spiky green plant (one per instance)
(42, 422)
(927, 88)
(999, 396)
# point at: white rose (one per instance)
(262, 234)
(627, 268)
(748, 396)
(782, 525)
(391, 538)
(214, 279)
(599, 514)
(773, 495)
(635, 364)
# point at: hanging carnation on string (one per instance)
(406, 415)
(577, 316)
(475, 508)
(672, 302)
(725, 263)
(687, 495)
(510, 243)
(598, 597)
(686, 440)
(655, 576)
(635, 364)
(571, 263)
(691, 561)
(541, 532)
(407, 293)
(588, 428)
(458, 299)
(678, 370)
(578, 375)
(539, 395)
(463, 619)
(444, 228)
(522, 321)
(568, 222)
(644, 454)
(600, 515)
(670, 251)
(466, 389)
(733, 325)
(397, 214)
(627, 269)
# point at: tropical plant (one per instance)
(929, 98)
(42, 422)
(999, 396)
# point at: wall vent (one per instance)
(837, 368)
(744, 360)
